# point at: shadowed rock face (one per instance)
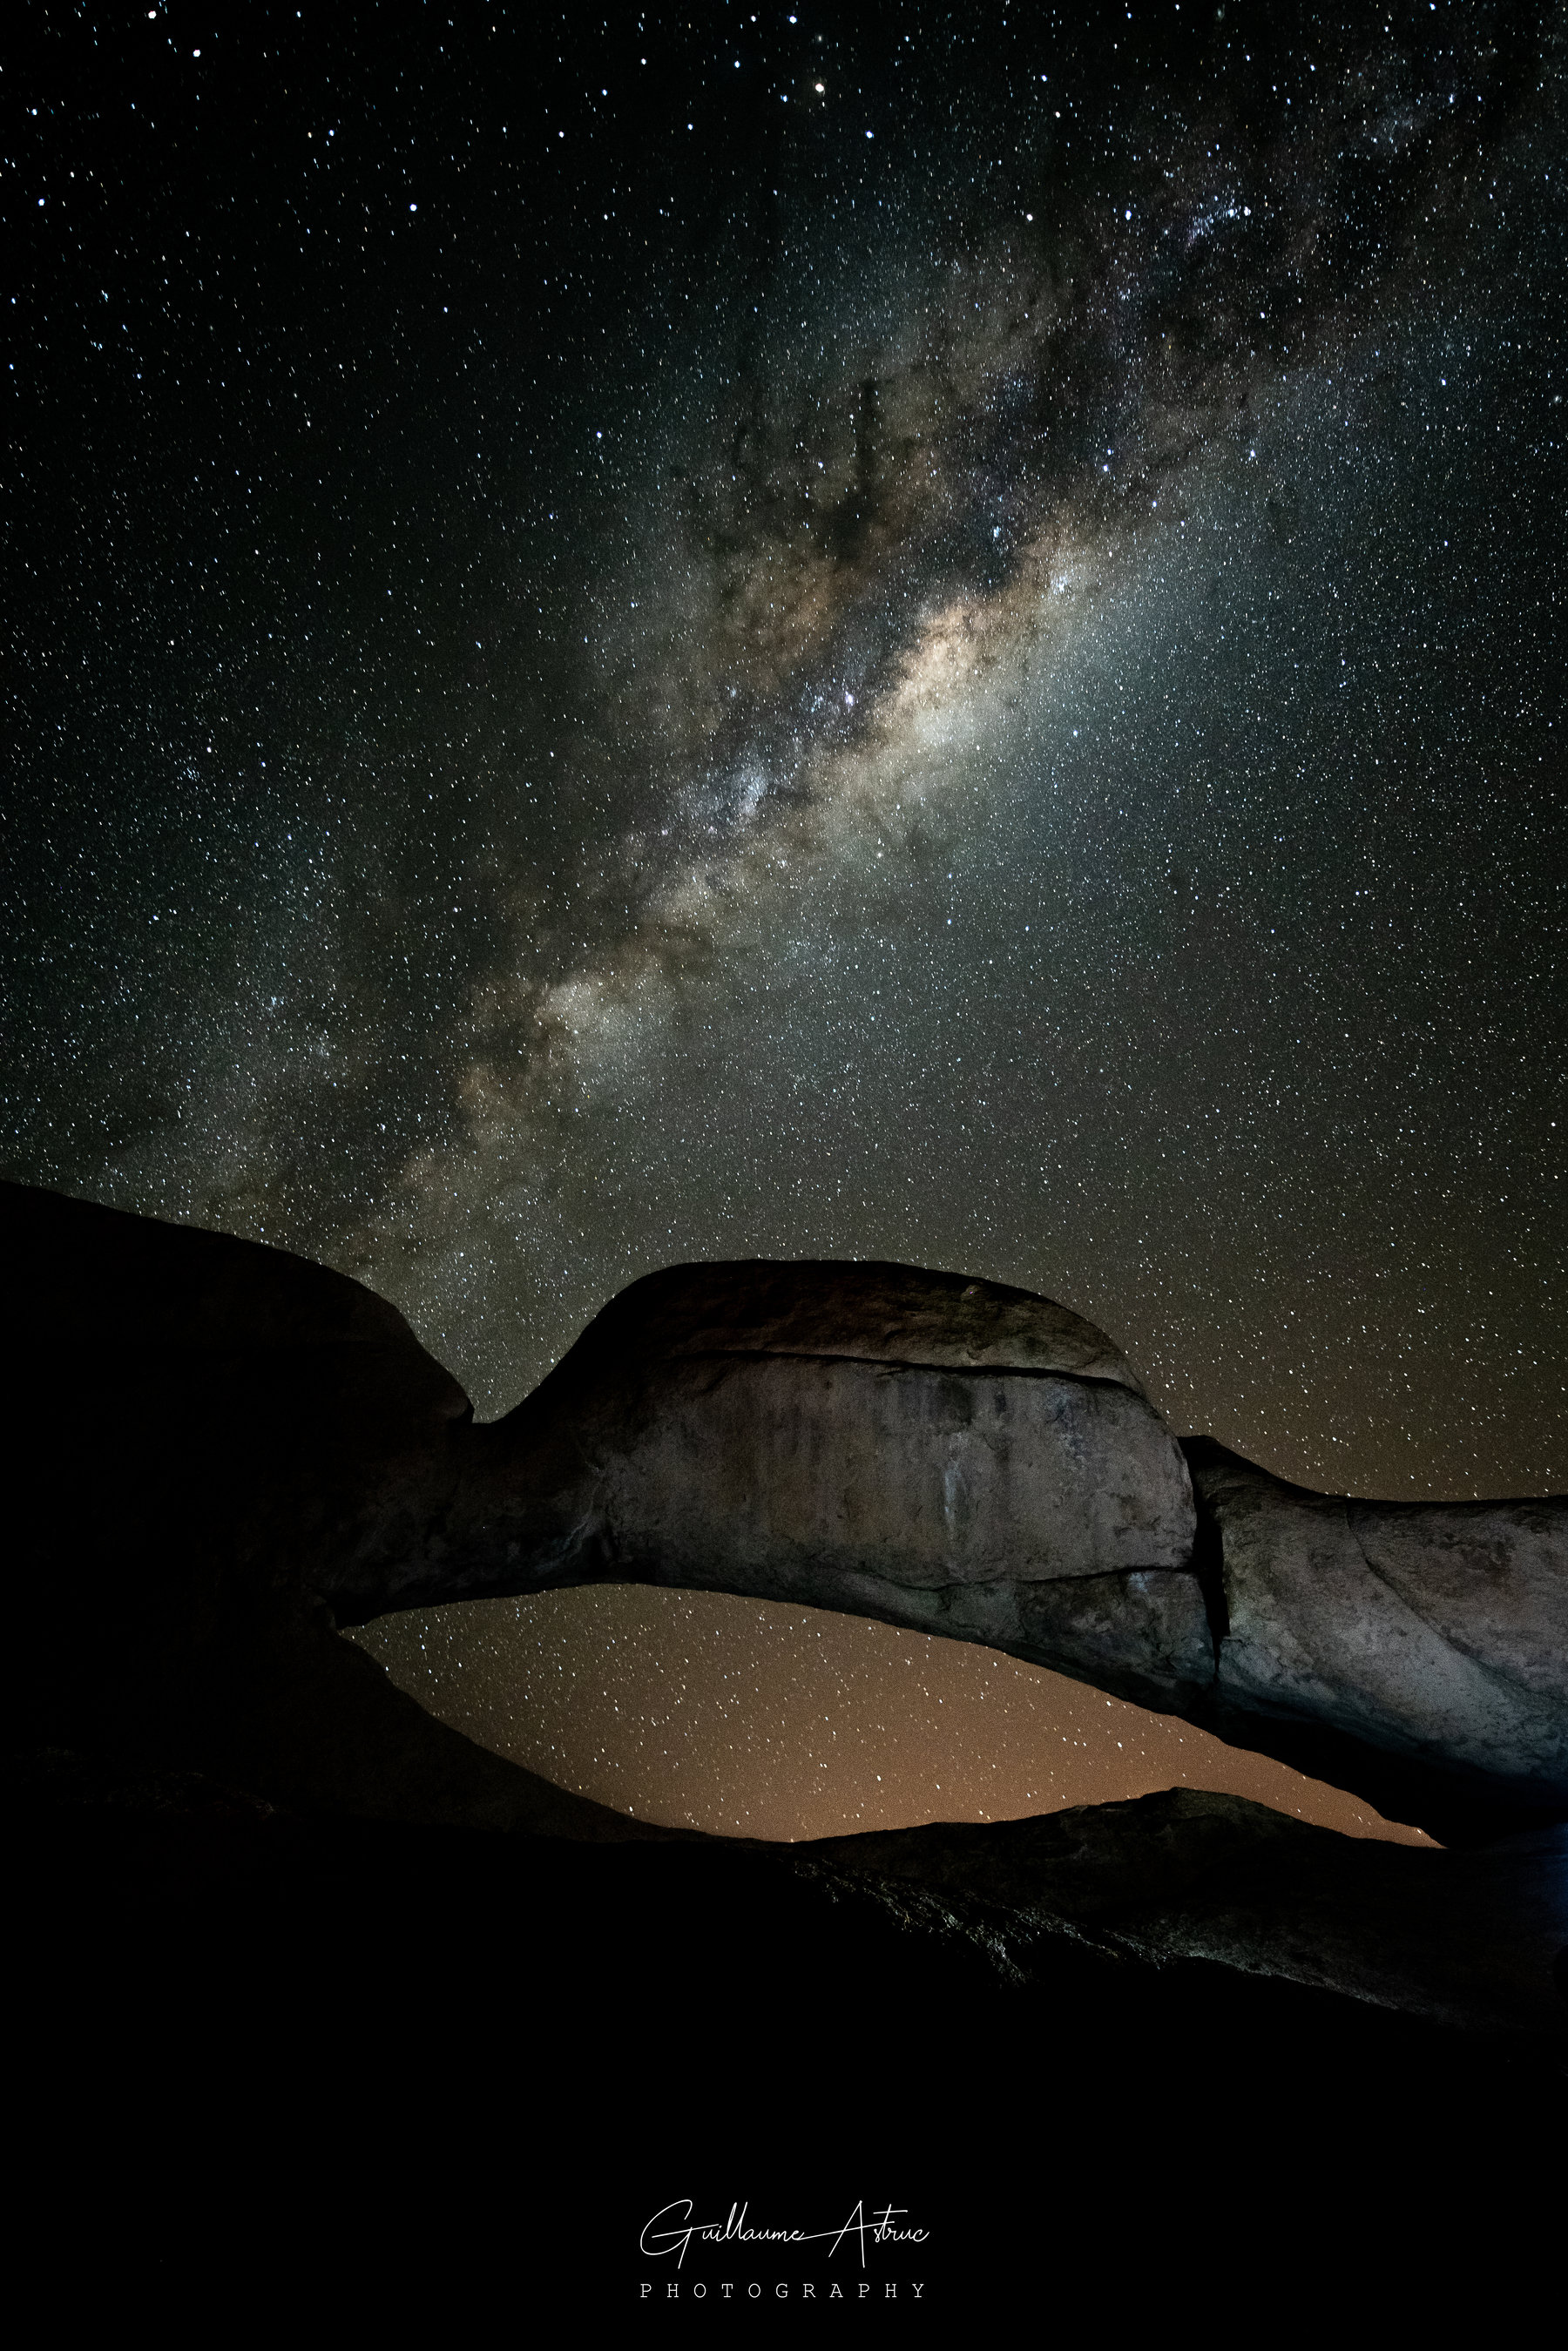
(223, 1449)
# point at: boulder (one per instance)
(1415, 1652)
(942, 1454)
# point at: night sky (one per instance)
(907, 633)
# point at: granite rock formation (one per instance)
(223, 1451)
(1416, 1652)
(942, 1454)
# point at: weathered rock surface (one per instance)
(1417, 1653)
(219, 1449)
(947, 1455)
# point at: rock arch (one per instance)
(217, 1438)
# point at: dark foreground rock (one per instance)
(352, 2063)
(1466, 1939)
(1077, 1939)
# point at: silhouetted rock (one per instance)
(1466, 1939)
(1103, 1939)
(203, 1432)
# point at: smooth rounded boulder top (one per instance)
(851, 1311)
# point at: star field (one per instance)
(888, 634)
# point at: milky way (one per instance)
(735, 637)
